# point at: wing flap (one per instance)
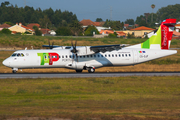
(105, 48)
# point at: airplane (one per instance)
(89, 58)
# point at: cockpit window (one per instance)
(17, 54)
(14, 54)
(22, 54)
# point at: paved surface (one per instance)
(84, 75)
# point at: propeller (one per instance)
(51, 46)
(74, 50)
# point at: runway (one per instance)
(85, 75)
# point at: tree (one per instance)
(76, 28)
(129, 21)
(143, 23)
(45, 22)
(9, 23)
(90, 30)
(152, 6)
(6, 3)
(63, 31)
(116, 25)
(99, 19)
(37, 31)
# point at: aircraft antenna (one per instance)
(111, 13)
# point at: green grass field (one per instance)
(87, 98)
(90, 98)
(37, 41)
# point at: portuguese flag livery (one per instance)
(162, 38)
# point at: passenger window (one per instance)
(119, 55)
(63, 56)
(91, 56)
(105, 55)
(59, 56)
(109, 55)
(84, 56)
(126, 55)
(129, 55)
(66, 56)
(122, 55)
(69, 56)
(101, 55)
(116, 55)
(112, 55)
(98, 55)
(94, 55)
(87, 56)
(80, 56)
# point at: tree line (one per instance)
(26, 15)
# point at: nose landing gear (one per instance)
(14, 70)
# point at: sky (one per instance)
(106, 9)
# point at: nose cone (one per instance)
(6, 63)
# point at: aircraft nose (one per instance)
(6, 63)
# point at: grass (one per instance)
(37, 41)
(142, 97)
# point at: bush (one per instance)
(89, 31)
(112, 35)
(5, 31)
(63, 31)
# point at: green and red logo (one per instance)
(48, 58)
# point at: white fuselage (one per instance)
(64, 58)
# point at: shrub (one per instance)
(63, 31)
(5, 31)
(90, 30)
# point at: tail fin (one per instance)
(162, 38)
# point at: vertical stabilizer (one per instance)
(167, 28)
(162, 38)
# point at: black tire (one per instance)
(14, 71)
(91, 70)
(79, 71)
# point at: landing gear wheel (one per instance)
(91, 70)
(14, 71)
(79, 71)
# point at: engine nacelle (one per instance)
(85, 50)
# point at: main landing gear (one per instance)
(90, 70)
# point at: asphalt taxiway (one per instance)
(84, 75)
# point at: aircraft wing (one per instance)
(47, 46)
(105, 48)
